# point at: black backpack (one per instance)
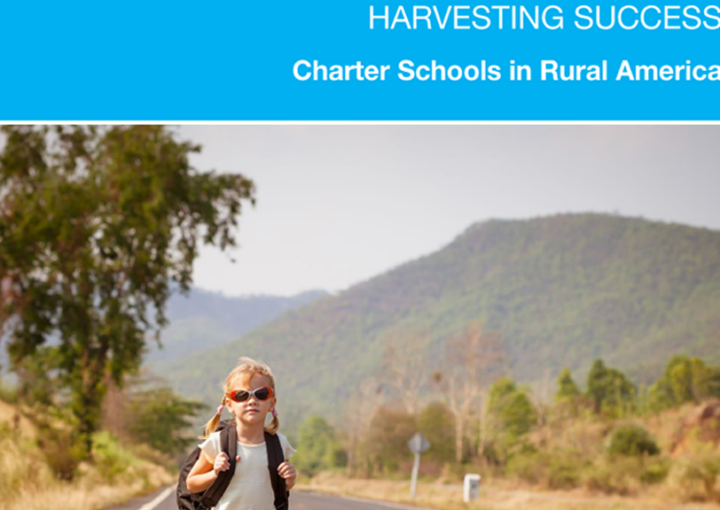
(228, 439)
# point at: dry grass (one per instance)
(8, 415)
(495, 495)
(82, 496)
(27, 482)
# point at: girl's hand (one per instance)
(287, 471)
(222, 463)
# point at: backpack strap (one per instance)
(228, 442)
(275, 458)
(185, 499)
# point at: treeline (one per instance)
(478, 419)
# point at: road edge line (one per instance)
(159, 499)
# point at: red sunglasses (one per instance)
(263, 393)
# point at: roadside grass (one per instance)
(31, 477)
(497, 494)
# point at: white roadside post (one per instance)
(417, 444)
(471, 487)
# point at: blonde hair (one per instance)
(245, 369)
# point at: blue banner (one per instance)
(359, 60)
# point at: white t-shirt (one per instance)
(250, 487)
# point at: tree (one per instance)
(95, 223)
(405, 367)
(436, 423)
(609, 390)
(568, 393)
(596, 387)
(318, 446)
(567, 388)
(161, 418)
(145, 410)
(512, 406)
(518, 415)
(472, 358)
(685, 379)
(385, 443)
(365, 398)
(511, 415)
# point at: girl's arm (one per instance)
(203, 474)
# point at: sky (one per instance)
(340, 204)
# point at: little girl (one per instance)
(249, 396)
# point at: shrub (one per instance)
(387, 437)
(62, 453)
(390, 465)
(619, 475)
(563, 473)
(703, 469)
(655, 471)
(110, 458)
(631, 441)
(318, 447)
(336, 456)
(529, 468)
(554, 469)
(625, 475)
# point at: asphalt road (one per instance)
(165, 500)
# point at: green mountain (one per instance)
(562, 290)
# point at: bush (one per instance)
(529, 468)
(631, 441)
(319, 448)
(336, 456)
(626, 475)
(701, 470)
(615, 476)
(110, 458)
(387, 437)
(563, 473)
(554, 469)
(62, 453)
(656, 471)
(390, 465)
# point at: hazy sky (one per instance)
(337, 205)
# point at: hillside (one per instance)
(203, 320)
(562, 290)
